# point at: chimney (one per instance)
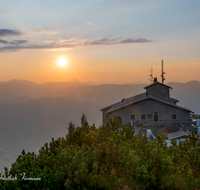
(155, 80)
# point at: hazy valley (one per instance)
(31, 114)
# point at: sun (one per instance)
(62, 61)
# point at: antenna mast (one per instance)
(151, 75)
(162, 73)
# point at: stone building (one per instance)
(153, 107)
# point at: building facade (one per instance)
(155, 107)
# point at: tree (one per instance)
(105, 159)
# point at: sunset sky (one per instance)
(104, 41)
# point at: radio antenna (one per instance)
(162, 72)
(151, 75)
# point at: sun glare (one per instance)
(62, 61)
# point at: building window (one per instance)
(173, 116)
(149, 116)
(143, 116)
(155, 116)
(132, 116)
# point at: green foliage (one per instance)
(163, 135)
(103, 158)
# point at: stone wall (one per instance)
(105, 118)
(148, 106)
(159, 90)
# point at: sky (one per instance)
(115, 41)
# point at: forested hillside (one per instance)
(105, 158)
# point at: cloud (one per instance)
(19, 42)
(62, 41)
(14, 42)
(141, 40)
(90, 23)
(109, 41)
(63, 44)
(48, 32)
(17, 33)
(104, 41)
(49, 45)
(3, 12)
(10, 33)
(4, 42)
(37, 47)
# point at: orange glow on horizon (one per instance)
(43, 67)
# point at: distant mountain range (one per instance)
(188, 94)
(21, 90)
(31, 114)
